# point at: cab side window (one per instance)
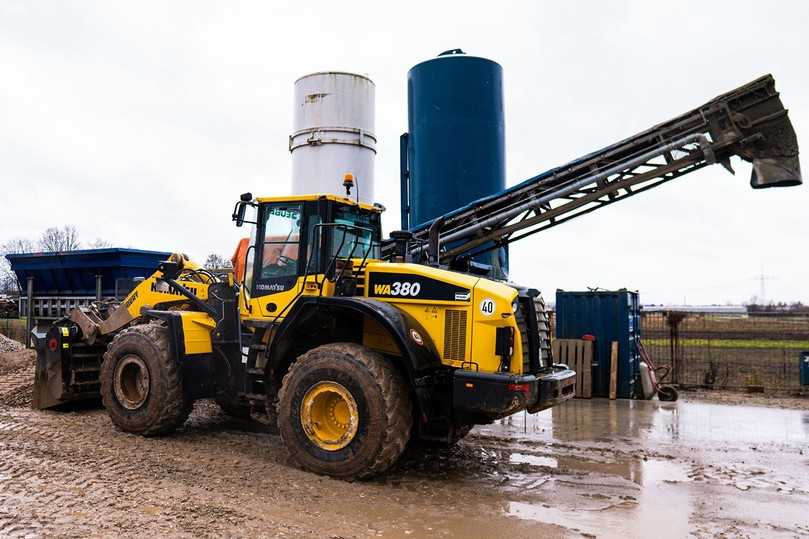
(280, 253)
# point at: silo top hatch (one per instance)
(456, 54)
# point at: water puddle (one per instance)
(601, 509)
(637, 422)
(625, 469)
(534, 460)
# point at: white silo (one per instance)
(333, 134)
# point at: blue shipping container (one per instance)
(608, 316)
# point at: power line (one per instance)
(762, 279)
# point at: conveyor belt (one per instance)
(749, 122)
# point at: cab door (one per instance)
(278, 264)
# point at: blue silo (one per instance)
(454, 152)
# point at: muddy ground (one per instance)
(590, 468)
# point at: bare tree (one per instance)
(56, 239)
(215, 261)
(99, 244)
(8, 281)
(18, 245)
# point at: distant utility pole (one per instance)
(762, 279)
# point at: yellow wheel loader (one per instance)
(353, 345)
(349, 355)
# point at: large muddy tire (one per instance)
(344, 411)
(141, 382)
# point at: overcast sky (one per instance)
(142, 122)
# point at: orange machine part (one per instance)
(238, 259)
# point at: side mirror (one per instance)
(238, 213)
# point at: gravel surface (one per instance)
(9, 345)
(17, 377)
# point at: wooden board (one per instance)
(614, 371)
(578, 355)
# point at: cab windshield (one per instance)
(359, 236)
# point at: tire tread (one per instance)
(178, 407)
(395, 394)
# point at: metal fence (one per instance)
(726, 350)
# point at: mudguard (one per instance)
(420, 359)
(417, 349)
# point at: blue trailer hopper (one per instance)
(73, 273)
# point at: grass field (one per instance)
(734, 343)
(730, 350)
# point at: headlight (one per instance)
(514, 306)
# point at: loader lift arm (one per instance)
(749, 122)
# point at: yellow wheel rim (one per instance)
(329, 415)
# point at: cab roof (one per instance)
(323, 196)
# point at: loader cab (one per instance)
(303, 245)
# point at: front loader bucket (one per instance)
(66, 371)
(48, 377)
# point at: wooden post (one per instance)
(578, 355)
(614, 371)
(586, 370)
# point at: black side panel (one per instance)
(227, 367)
(199, 379)
(391, 285)
(224, 301)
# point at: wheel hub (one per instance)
(329, 415)
(132, 382)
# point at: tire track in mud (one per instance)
(86, 475)
(74, 473)
(70, 472)
(13, 525)
(16, 387)
(47, 473)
